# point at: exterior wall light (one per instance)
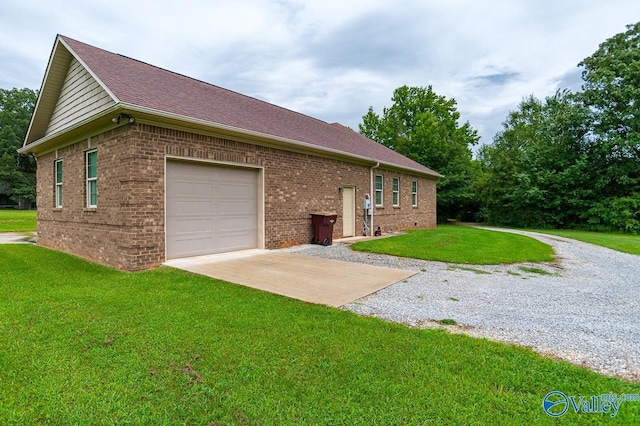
(120, 117)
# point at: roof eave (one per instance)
(149, 113)
(93, 125)
(44, 91)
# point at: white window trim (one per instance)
(395, 192)
(58, 185)
(414, 193)
(89, 180)
(381, 191)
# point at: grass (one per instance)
(85, 344)
(534, 270)
(17, 220)
(621, 242)
(461, 244)
(466, 268)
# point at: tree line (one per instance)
(571, 160)
(17, 172)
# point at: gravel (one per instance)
(583, 308)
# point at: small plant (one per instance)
(514, 273)
(454, 299)
(448, 321)
(534, 270)
(466, 268)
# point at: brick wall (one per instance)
(392, 218)
(103, 234)
(126, 230)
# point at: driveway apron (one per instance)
(311, 279)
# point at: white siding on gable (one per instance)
(81, 97)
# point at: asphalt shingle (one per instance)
(140, 84)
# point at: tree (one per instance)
(536, 173)
(612, 92)
(17, 172)
(574, 159)
(424, 127)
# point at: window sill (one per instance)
(396, 207)
(57, 209)
(90, 209)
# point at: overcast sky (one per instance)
(332, 59)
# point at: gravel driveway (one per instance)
(585, 308)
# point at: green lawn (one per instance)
(622, 242)
(84, 344)
(17, 220)
(461, 244)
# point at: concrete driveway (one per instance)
(308, 278)
(15, 238)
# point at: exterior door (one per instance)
(348, 212)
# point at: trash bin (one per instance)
(323, 228)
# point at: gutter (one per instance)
(372, 196)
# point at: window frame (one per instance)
(379, 201)
(91, 181)
(395, 191)
(414, 193)
(58, 173)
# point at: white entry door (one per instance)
(348, 212)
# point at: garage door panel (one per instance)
(192, 225)
(236, 223)
(235, 241)
(191, 208)
(236, 207)
(210, 209)
(191, 189)
(237, 190)
(197, 245)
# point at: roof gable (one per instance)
(81, 96)
(119, 80)
(69, 94)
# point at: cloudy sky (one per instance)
(332, 59)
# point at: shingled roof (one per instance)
(136, 85)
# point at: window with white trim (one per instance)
(92, 178)
(414, 193)
(396, 191)
(57, 166)
(379, 187)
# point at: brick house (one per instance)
(137, 165)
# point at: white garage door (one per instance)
(210, 209)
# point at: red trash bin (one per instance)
(323, 228)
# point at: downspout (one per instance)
(373, 198)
